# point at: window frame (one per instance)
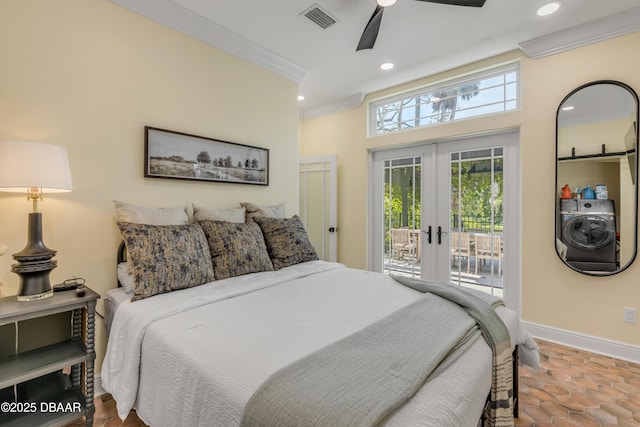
(443, 85)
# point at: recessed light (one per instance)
(300, 98)
(548, 8)
(387, 66)
(385, 3)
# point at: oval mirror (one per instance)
(596, 178)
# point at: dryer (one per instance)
(588, 229)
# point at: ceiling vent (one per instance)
(319, 16)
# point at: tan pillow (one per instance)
(128, 212)
(273, 211)
(228, 215)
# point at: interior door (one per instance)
(318, 204)
(456, 201)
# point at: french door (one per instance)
(449, 212)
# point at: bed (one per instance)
(203, 355)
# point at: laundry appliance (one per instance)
(588, 229)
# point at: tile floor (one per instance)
(576, 388)
(573, 388)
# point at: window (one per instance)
(484, 93)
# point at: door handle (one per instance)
(428, 233)
(439, 233)
(332, 229)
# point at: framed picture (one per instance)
(178, 155)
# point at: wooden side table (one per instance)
(33, 388)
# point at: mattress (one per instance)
(112, 301)
(195, 357)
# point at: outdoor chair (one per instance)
(489, 247)
(461, 248)
(400, 243)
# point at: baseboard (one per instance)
(97, 386)
(606, 347)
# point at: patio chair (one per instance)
(461, 248)
(400, 243)
(489, 247)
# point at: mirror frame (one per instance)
(635, 201)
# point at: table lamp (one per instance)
(34, 168)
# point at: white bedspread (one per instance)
(195, 356)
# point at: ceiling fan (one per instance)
(370, 33)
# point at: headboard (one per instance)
(122, 253)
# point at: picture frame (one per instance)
(177, 155)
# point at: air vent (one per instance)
(319, 16)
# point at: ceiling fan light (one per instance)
(385, 3)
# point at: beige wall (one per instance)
(552, 294)
(89, 75)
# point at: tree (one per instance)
(408, 113)
(254, 164)
(204, 157)
(445, 102)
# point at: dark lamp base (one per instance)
(34, 264)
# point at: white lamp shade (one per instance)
(26, 164)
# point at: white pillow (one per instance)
(228, 215)
(125, 278)
(128, 212)
(272, 211)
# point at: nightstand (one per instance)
(39, 339)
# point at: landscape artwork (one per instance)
(177, 155)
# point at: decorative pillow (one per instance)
(287, 241)
(236, 248)
(125, 277)
(274, 211)
(229, 215)
(128, 212)
(154, 216)
(166, 257)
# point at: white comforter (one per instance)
(195, 357)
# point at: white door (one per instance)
(449, 211)
(318, 204)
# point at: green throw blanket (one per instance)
(480, 306)
(361, 379)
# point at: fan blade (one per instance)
(472, 3)
(370, 32)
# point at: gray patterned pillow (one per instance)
(287, 241)
(236, 248)
(166, 257)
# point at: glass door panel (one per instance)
(476, 219)
(402, 215)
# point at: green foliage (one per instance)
(471, 200)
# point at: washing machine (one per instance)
(588, 229)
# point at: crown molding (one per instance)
(181, 19)
(585, 34)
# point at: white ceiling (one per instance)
(420, 38)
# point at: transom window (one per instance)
(484, 93)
